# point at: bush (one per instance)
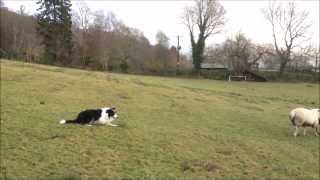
(291, 76)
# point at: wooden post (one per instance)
(316, 67)
(178, 54)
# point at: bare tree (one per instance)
(238, 53)
(161, 51)
(206, 18)
(162, 39)
(18, 36)
(1, 4)
(83, 16)
(307, 56)
(289, 29)
(81, 23)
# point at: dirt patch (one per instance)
(254, 108)
(110, 78)
(199, 165)
(225, 152)
(123, 96)
(152, 85)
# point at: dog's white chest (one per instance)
(104, 119)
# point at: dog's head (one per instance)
(112, 112)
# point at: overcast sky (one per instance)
(152, 16)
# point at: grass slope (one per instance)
(169, 128)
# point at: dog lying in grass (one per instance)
(94, 116)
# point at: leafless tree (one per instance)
(162, 39)
(204, 19)
(83, 16)
(18, 36)
(162, 56)
(81, 21)
(308, 56)
(241, 54)
(1, 4)
(289, 29)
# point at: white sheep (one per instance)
(302, 117)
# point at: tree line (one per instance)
(84, 39)
(100, 41)
(289, 26)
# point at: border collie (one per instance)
(94, 116)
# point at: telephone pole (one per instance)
(317, 67)
(178, 53)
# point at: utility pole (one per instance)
(178, 53)
(317, 63)
(318, 70)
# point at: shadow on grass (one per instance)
(199, 165)
(66, 177)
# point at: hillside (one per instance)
(169, 127)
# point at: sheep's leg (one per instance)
(296, 131)
(316, 132)
(304, 131)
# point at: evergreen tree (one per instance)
(55, 23)
(66, 36)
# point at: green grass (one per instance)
(170, 128)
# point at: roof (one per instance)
(212, 66)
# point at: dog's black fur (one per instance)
(85, 117)
(92, 116)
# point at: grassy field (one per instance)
(170, 128)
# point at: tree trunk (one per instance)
(282, 67)
(197, 53)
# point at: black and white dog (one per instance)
(94, 116)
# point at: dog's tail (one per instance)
(67, 121)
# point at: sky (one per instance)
(153, 16)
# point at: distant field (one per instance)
(170, 128)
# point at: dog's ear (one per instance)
(113, 109)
